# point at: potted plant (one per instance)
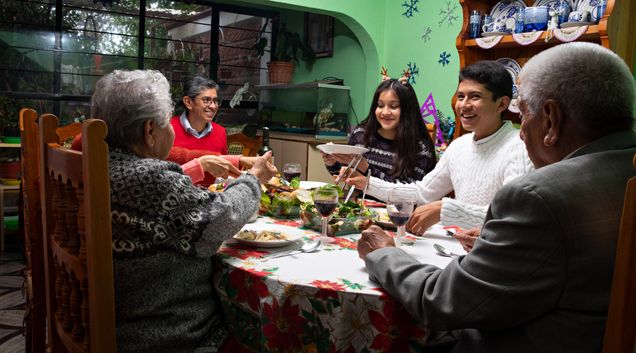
(289, 46)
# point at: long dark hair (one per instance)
(410, 131)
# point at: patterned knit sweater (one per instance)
(475, 170)
(381, 157)
(165, 232)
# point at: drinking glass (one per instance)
(291, 170)
(399, 207)
(326, 201)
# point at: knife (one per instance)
(351, 190)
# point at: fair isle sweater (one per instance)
(381, 157)
(475, 170)
(165, 232)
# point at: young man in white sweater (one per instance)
(476, 165)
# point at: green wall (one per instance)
(374, 33)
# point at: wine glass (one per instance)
(326, 201)
(291, 170)
(399, 207)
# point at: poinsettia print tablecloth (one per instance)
(317, 302)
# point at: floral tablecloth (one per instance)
(317, 302)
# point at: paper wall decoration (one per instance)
(410, 8)
(429, 108)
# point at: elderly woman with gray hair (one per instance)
(165, 229)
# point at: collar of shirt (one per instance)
(186, 125)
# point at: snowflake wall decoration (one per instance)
(444, 58)
(414, 70)
(410, 8)
(448, 15)
(427, 34)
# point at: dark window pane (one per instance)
(16, 14)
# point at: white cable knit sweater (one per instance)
(475, 170)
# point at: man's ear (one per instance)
(188, 102)
(552, 122)
(504, 102)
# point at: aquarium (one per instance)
(313, 108)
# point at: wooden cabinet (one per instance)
(615, 31)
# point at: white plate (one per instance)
(492, 34)
(330, 148)
(506, 11)
(291, 233)
(575, 24)
(511, 65)
(308, 185)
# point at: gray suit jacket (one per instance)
(538, 279)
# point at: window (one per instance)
(60, 62)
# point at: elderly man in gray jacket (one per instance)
(538, 278)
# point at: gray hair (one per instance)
(591, 83)
(198, 84)
(125, 100)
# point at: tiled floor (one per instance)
(11, 300)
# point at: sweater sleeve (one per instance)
(461, 214)
(194, 170)
(181, 155)
(432, 187)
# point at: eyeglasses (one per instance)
(209, 100)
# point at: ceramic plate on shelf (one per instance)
(330, 148)
(506, 12)
(492, 34)
(501, 6)
(513, 68)
(290, 233)
(308, 185)
(553, 4)
(575, 24)
(587, 5)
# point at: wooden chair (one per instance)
(242, 144)
(76, 220)
(620, 329)
(35, 314)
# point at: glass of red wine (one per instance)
(326, 201)
(399, 207)
(291, 170)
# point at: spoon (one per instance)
(441, 250)
(311, 246)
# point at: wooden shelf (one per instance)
(591, 35)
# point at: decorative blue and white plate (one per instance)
(513, 67)
(553, 4)
(506, 11)
(587, 5)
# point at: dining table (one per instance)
(320, 301)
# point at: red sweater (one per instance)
(215, 141)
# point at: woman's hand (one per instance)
(329, 159)
(262, 168)
(467, 238)
(218, 166)
(423, 217)
(373, 238)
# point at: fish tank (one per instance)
(313, 108)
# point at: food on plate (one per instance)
(217, 187)
(264, 235)
(282, 199)
(349, 217)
